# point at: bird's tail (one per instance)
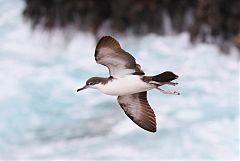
(165, 77)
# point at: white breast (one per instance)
(123, 86)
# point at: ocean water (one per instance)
(43, 118)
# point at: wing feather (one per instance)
(137, 108)
(109, 53)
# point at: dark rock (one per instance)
(212, 21)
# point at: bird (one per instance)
(128, 82)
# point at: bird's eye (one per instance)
(90, 83)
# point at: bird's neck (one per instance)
(104, 80)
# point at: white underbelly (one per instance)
(123, 86)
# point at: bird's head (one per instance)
(91, 83)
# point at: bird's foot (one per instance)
(172, 83)
(163, 83)
(168, 92)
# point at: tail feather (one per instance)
(165, 77)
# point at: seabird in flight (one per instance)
(128, 82)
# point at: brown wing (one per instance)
(138, 110)
(109, 53)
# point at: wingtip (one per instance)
(153, 130)
(108, 41)
(107, 36)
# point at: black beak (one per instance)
(85, 87)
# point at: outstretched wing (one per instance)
(137, 108)
(109, 53)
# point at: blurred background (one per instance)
(46, 53)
